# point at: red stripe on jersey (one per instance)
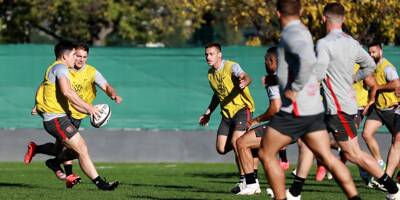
(342, 119)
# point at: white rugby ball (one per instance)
(102, 119)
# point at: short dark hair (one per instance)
(63, 47)
(82, 46)
(334, 8)
(375, 43)
(289, 7)
(213, 44)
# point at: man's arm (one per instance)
(34, 110)
(211, 107)
(392, 79)
(273, 108)
(367, 64)
(245, 80)
(106, 87)
(110, 91)
(303, 49)
(70, 94)
(323, 60)
(373, 87)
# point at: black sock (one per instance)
(389, 184)
(282, 155)
(256, 174)
(297, 186)
(68, 169)
(241, 178)
(48, 149)
(355, 198)
(100, 183)
(250, 178)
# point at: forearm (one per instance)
(389, 87)
(270, 112)
(213, 105)
(110, 91)
(77, 101)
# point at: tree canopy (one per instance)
(182, 22)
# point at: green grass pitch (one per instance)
(165, 181)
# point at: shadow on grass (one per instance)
(213, 175)
(17, 185)
(166, 198)
(179, 188)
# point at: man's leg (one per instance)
(371, 126)
(318, 142)
(354, 154)
(304, 164)
(244, 146)
(271, 143)
(78, 144)
(283, 161)
(393, 155)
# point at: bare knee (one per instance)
(241, 144)
(264, 156)
(367, 136)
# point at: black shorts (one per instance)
(296, 127)
(387, 117)
(239, 122)
(260, 130)
(75, 122)
(61, 128)
(342, 126)
(396, 122)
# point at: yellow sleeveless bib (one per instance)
(226, 87)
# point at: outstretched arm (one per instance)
(111, 92)
(203, 121)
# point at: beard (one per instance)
(377, 59)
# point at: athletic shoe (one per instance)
(289, 196)
(270, 193)
(50, 163)
(107, 185)
(373, 184)
(258, 191)
(294, 172)
(284, 165)
(250, 189)
(30, 152)
(72, 180)
(394, 196)
(61, 175)
(238, 187)
(321, 173)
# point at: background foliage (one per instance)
(181, 22)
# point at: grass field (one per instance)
(154, 181)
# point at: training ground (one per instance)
(149, 165)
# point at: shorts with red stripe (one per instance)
(342, 126)
(239, 122)
(297, 127)
(61, 128)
